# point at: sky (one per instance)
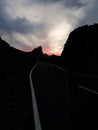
(27, 24)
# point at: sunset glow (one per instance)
(27, 24)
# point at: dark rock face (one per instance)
(15, 95)
(81, 50)
(16, 57)
(3, 44)
(80, 57)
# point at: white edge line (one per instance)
(85, 75)
(95, 92)
(34, 102)
(60, 68)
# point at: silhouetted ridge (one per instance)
(37, 52)
(81, 50)
(3, 43)
(12, 55)
(15, 93)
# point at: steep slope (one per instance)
(80, 57)
(81, 50)
(15, 96)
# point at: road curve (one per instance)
(49, 85)
(34, 103)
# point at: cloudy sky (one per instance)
(27, 24)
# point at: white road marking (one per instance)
(90, 90)
(85, 75)
(60, 68)
(34, 102)
(35, 108)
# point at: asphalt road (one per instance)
(83, 102)
(48, 84)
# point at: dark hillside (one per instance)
(15, 96)
(81, 50)
(80, 58)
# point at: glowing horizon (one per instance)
(27, 24)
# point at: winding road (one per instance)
(48, 96)
(34, 103)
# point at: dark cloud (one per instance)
(67, 3)
(51, 1)
(42, 19)
(21, 25)
(9, 25)
(75, 3)
(91, 15)
(46, 1)
(18, 24)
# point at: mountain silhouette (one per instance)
(4, 44)
(80, 52)
(15, 96)
(13, 56)
(80, 58)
